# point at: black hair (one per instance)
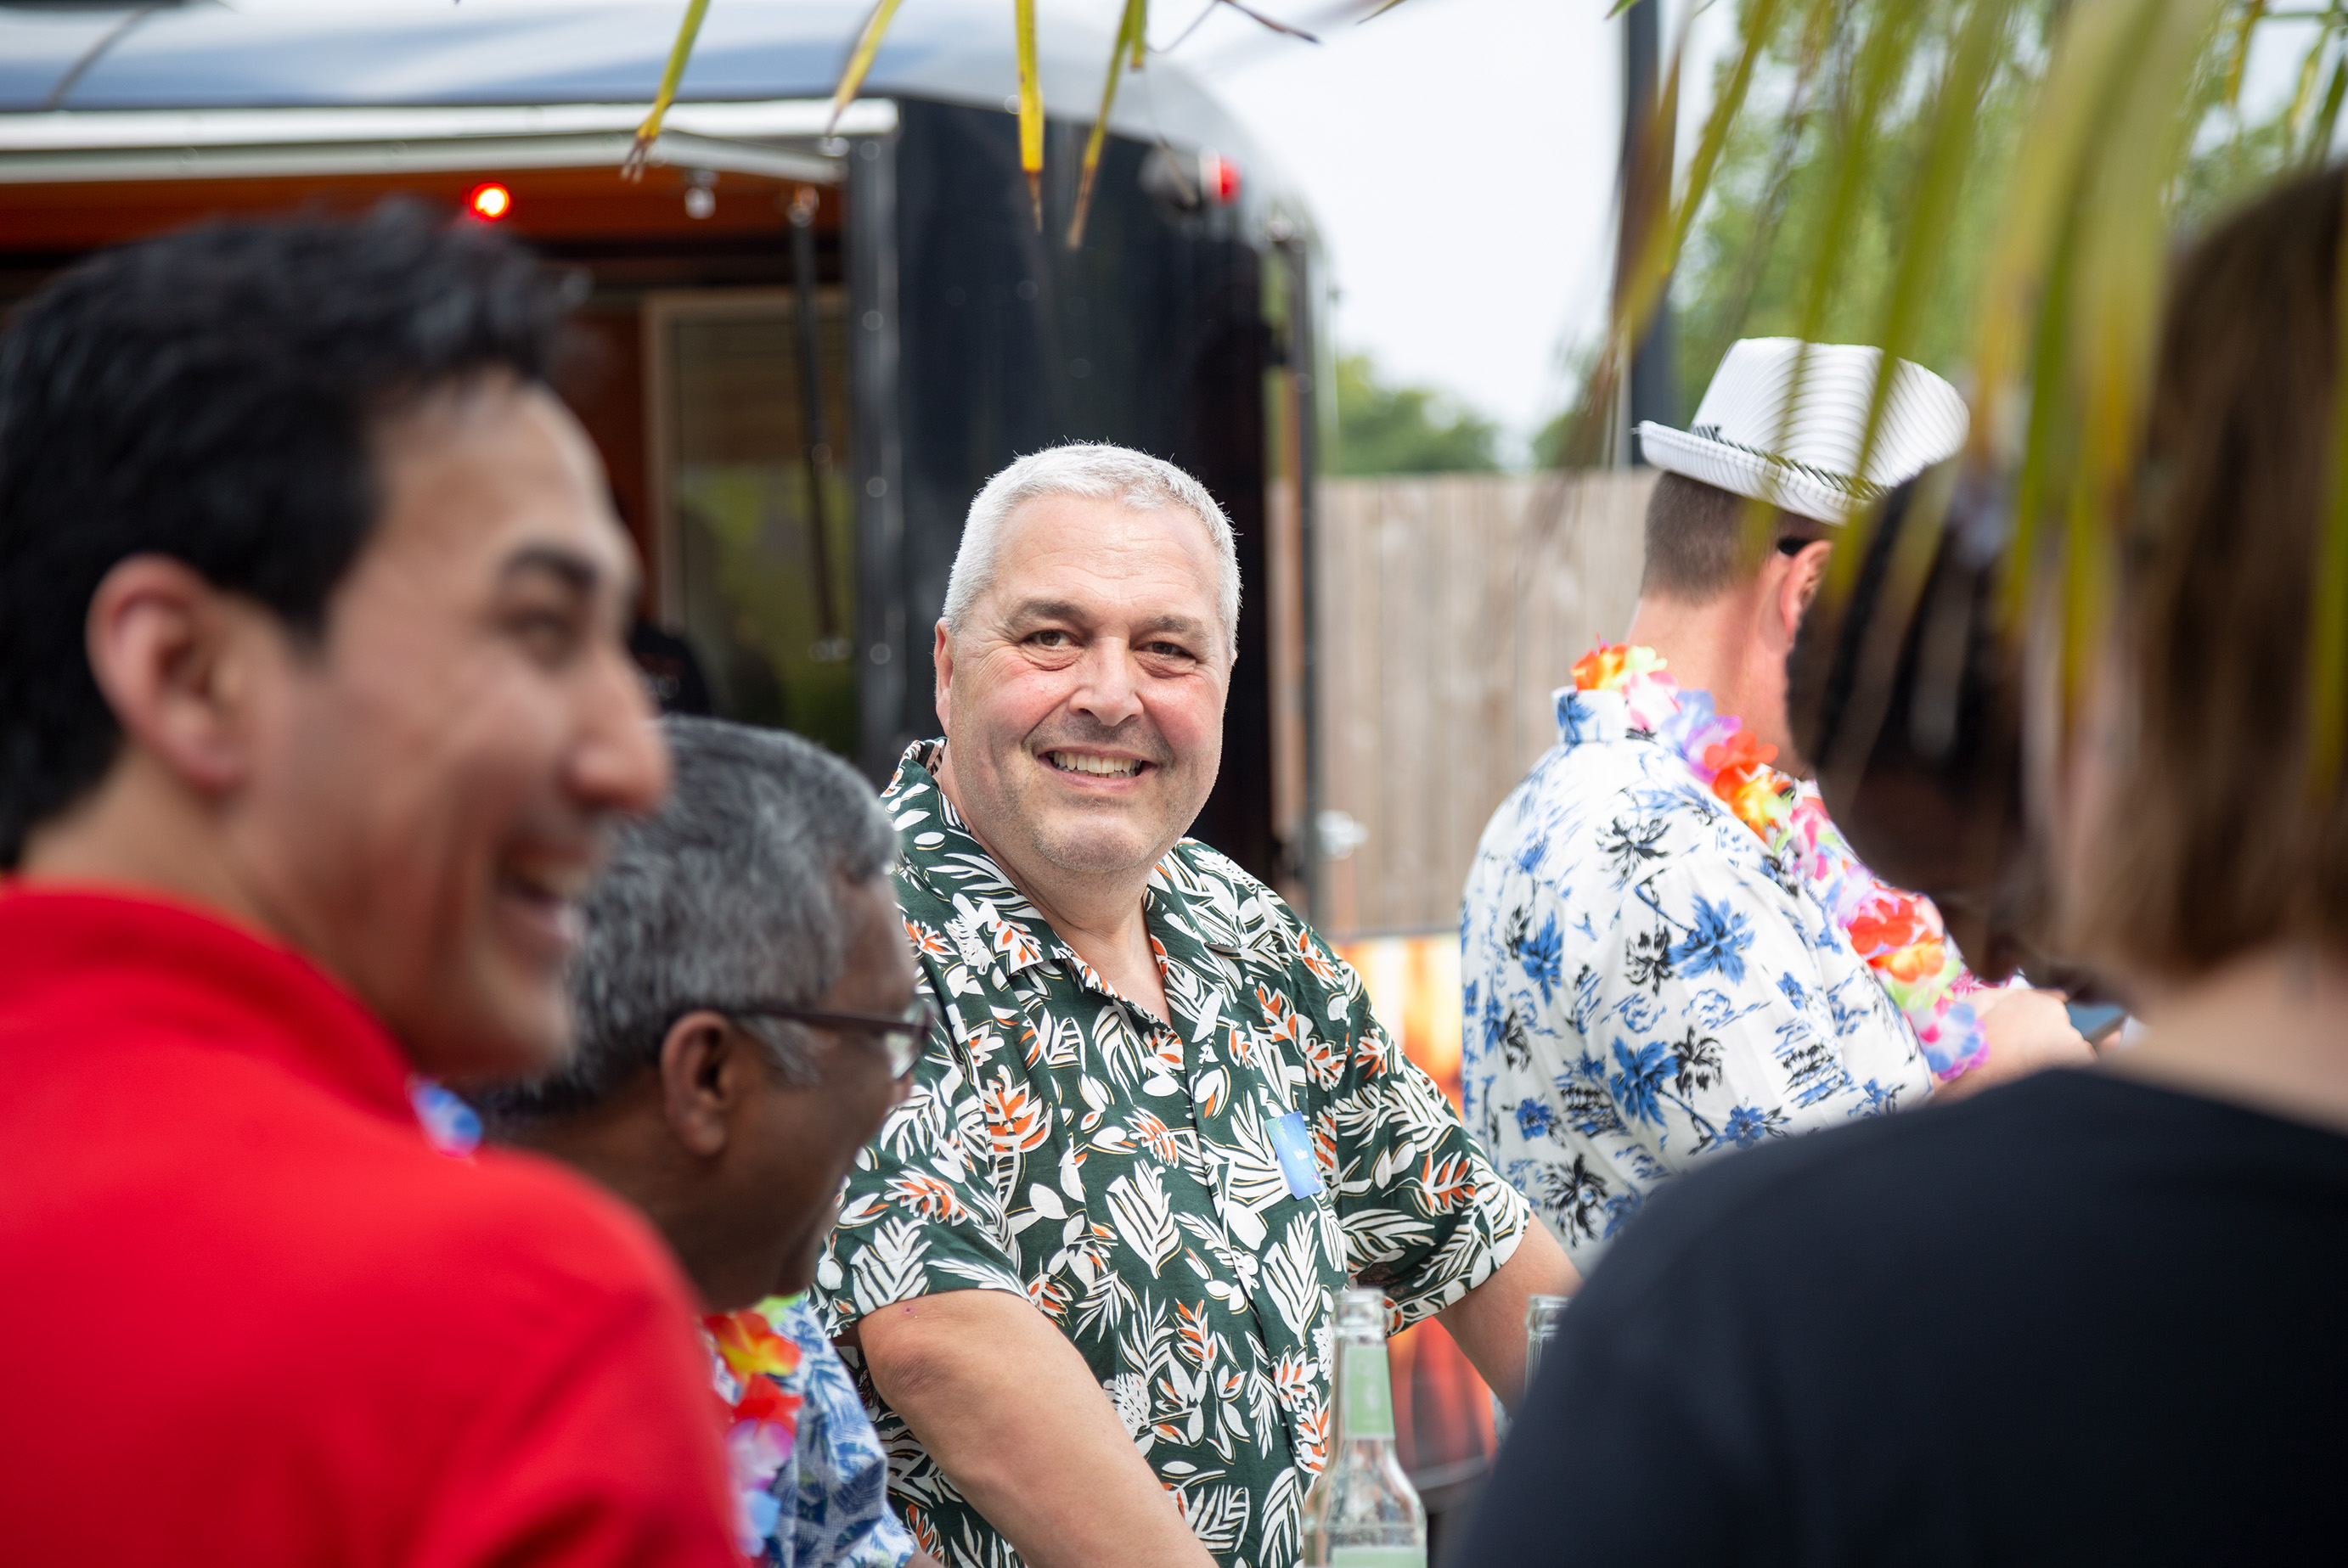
(210, 396)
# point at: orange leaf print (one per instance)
(1280, 1017)
(1317, 962)
(1198, 1345)
(1016, 1118)
(927, 943)
(1049, 1297)
(1152, 1134)
(926, 1195)
(1447, 1187)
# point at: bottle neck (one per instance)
(1364, 1392)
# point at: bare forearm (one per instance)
(1009, 1411)
(1488, 1322)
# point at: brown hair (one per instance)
(1697, 547)
(2213, 842)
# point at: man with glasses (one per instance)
(747, 1017)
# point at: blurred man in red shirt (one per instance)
(315, 712)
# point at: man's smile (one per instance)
(1094, 765)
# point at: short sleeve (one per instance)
(919, 1215)
(1426, 1217)
(1723, 1011)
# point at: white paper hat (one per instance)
(1744, 442)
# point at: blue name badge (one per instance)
(1293, 1147)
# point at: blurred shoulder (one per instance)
(506, 1244)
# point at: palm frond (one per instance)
(1130, 30)
(859, 59)
(1031, 107)
(632, 166)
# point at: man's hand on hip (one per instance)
(1012, 1414)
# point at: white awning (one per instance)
(783, 139)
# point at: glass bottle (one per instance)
(1362, 1512)
(1542, 1315)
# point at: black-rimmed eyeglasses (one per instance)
(901, 1035)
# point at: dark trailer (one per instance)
(807, 352)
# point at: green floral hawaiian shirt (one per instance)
(1127, 1177)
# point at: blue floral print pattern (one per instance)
(1645, 986)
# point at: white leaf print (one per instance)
(1044, 1201)
(1289, 1277)
(1282, 1527)
(1381, 1236)
(1072, 1175)
(1217, 1515)
(1137, 1202)
(888, 1268)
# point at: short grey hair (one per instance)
(730, 893)
(1096, 472)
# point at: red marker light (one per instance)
(490, 202)
(1222, 178)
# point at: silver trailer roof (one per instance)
(65, 72)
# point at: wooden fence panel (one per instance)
(1451, 606)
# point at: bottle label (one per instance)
(1366, 1409)
(1377, 1557)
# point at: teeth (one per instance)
(1105, 767)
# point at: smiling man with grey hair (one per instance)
(1088, 1265)
(747, 1013)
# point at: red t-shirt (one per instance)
(249, 1315)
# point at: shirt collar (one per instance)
(97, 961)
(1015, 933)
(1594, 718)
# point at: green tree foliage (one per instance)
(1745, 269)
(1384, 429)
(1747, 263)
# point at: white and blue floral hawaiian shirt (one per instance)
(832, 1493)
(1646, 987)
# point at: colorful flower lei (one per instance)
(1898, 934)
(762, 1418)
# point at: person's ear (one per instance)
(942, 659)
(180, 663)
(703, 1063)
(1806, 570)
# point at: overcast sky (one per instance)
(1459, 156)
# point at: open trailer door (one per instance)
(738, 333)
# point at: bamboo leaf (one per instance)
(1132, 27)
(859, 59)
(2303, 94)
(1946, 165)
(2241, 55)
(1031, 107)
(633, 166)
(1924, 248)
(2327, 125)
